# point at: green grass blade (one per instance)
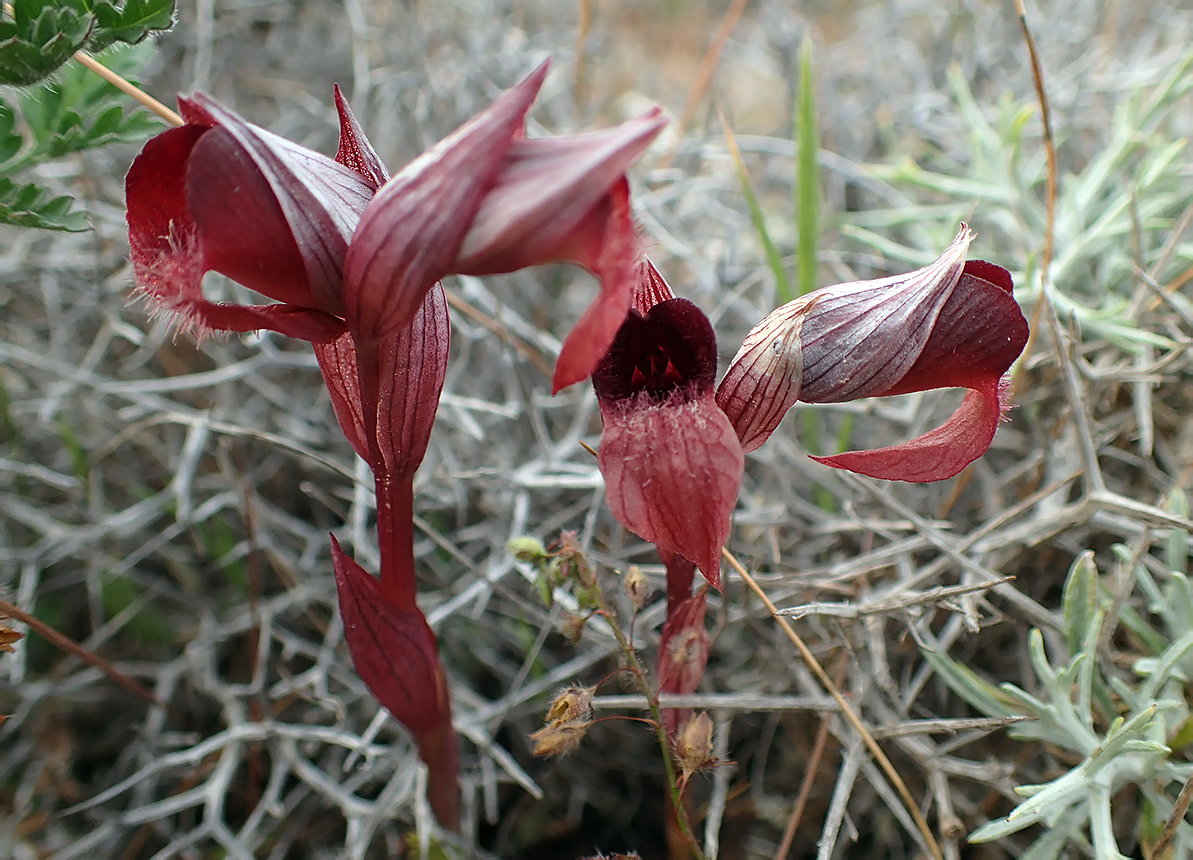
(807, 189)
(773, 259)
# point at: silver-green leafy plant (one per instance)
(1144, 711)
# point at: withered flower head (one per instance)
(636, 587)
(572, 703)
(693, 745)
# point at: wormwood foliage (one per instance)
(37, 37)
(74, 112)
(1125, 729)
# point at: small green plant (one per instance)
(1124, 729)
(49, 120)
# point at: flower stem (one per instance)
(656, 713)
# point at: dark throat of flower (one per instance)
(656, 373)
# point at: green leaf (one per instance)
(130, 24)
(1176, 547)
(967, 684)
(807, 203)
(79, 110)
(1080, 600)
(39, 37)
(33, 206)
(11, 141)
(782, 282)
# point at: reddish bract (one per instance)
(394, 653)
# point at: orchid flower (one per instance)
(672, 450)
(353, 260)
(672, 467)
(341, 246)
(952, 324)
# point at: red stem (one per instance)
(395, 493)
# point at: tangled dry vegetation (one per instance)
(167, 505)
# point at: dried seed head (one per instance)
(572, 703)
(636, 587)
(693, 745)
(8, 636)
(686, 647)
(558, 738)
(573, 627)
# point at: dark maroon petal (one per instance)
(320, 203)
(763, 380)
(860, 338)
(337, 363)
(163, 239)
(607, 245)
(394, 653)
(672, 473)
(244, 232)
(978, 334)
(995, 274)
(355, 152)
(544, 189)
(683, 653)
(677, 328)
(413, 367)
(410, 235)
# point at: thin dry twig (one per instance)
(848, 712)
(1160, 849)
(130, 89)
(704, 74)
(70, 646)
(1037, 74)
(805, 788)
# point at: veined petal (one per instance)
(978, 334)
(650, 288)
(169, 252)
(672, 474)
(413, 367)
(860, 338)
(544, 189)
(294, 200)
(937, 454)
(337, 363)
(355, 152)
(394, 651)
(763, 380)
(410, 235)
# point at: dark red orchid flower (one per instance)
(353, 259)
(671, 460)
(953, 324)
(672, 470)
(342, 246)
